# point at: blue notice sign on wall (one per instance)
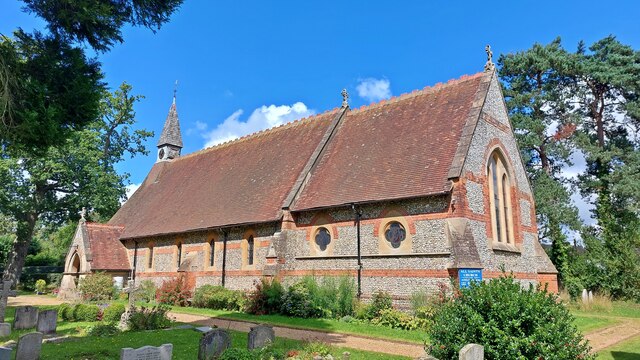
(466, 276)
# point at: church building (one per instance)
(401, 195)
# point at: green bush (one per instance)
(65, 312)
(102, 330)
(97, 287)
(266, 298)
(86, 312)
(147, 291)
(41, 286)
(380, 301)
(154, 318)
(509, 321)
(113, 312)
(398, 320)
(218, 298)
(174, 292)
(297, 302)
(238, 354)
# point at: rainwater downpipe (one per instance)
(225, 235)
(135, 259)
(358, 215)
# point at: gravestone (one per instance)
(203, 329)
(260, 336)
(131, 289)
(162, 352)
(213, 344)
(29, 346)
(4, 296)
(472, 352)
(5, 353)
(590, 296)
(585, 296)
(26, 317)
(5, 329)
(47, 321)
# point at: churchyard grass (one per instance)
(63, 327)
(588, 324)
(185, 346)
(626, 350)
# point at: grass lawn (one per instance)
(618, 309)
(63, 327)
(185, 346)
(626, 350)
(587, 324)
(326, 325)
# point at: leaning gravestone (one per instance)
(5, 353)
(472, 352)
(26, 317)
(260, 336)
(213, 344)
(29, 346)
(47, 321)
(163, 352)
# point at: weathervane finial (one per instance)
(489, 65)
(345, 98)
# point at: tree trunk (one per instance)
(15, 262)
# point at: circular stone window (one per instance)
(395, 234)
(323, 238)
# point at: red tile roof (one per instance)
(243, 181)
(400, 148)
(107, 252)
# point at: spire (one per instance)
(170, 142)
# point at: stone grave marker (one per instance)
(261, 336)
(5, 353)
(203, 329)
(47, 321)
(472, 352)
(585, 296)
(29, 346)
(5, 329)
(4, 296)
(590, 296)
(213, 344)
(131, 289)
(26, 317)
(162, 352)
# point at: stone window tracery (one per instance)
(500, 199)
(395, 234)
(322, 238)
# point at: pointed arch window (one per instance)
(500, 199)
(179, 257)
(212, 254)
(150, 258)
(250, 245)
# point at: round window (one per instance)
(323, 238)
(395, 234)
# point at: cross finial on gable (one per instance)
(489, 65)
(83, 214)
(345, 98)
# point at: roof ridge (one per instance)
(260, 133)
(97, 224)
(426, 90)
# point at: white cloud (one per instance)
(374, 89)
(261, 118)
(131, 188)
(201, 126)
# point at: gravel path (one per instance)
(609, 336)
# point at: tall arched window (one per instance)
(150, 258)
(250, 250)
(212, 255)
(500, 198)
(179, 257)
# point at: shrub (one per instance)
(398, 320)
(316, 348)
(266, 298)
(113, 312)
(41, 286)
(147, 291)
(345, 300)
(174, 292)
(65, 311)
(297, 302)
(97, 287)
(102, 330)
(509, 321)
(237, 354)
(149, 318)
(380, 301)
(219, 298)
(86, 312)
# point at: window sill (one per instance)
(506, 248)
(374, 256)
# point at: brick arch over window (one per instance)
(500, 180)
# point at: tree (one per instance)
(52, 188)
(534, 85)
(48, 88)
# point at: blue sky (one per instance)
(246, 65)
